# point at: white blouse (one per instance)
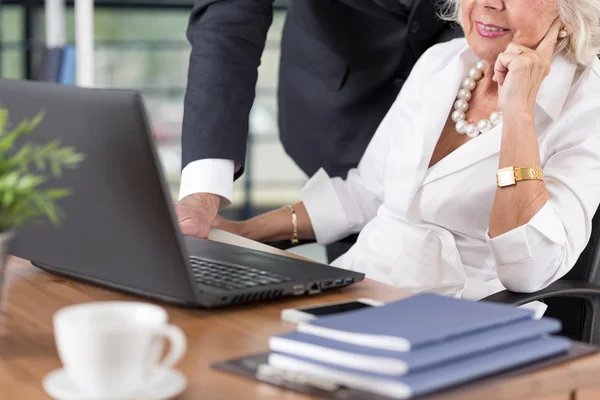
(426, 228)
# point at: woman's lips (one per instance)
(490, 31)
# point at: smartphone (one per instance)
(305, 314)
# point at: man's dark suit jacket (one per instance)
(343, 63)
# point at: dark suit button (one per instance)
(415, 27)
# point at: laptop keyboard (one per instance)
(228, 277)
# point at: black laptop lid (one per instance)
(119, 228)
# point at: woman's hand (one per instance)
(273, 226)
(235, 227)
(519, 72)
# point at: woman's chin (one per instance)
(485, 49)
(488, 55)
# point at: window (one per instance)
(145, 48)
(11, 30)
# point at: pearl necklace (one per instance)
(462, 105)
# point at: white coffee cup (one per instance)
(112, 348)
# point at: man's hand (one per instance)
(196, 214)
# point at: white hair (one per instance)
(580, 17)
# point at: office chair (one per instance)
(574, 299)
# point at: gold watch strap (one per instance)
(509, 176)
(528, 173)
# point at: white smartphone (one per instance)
(305, 314)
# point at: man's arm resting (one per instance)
(227, 38)
(206, 186)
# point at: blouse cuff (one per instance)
(324, 209)
(515, 245)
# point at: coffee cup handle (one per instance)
(177, 347)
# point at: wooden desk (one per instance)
(27, 351)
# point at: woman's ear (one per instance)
(563, 33)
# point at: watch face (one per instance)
(506, 176)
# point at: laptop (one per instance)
(120, 230)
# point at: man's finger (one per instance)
(181, 212)
(191, 227)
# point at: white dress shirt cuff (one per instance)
(208, 176)
(324, 209)
(516, 245)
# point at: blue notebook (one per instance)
(416, 321)
(67, 70)
(395, 363)
(429, 380)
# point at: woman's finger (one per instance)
(548, 43)
(502, 66)
(513, 48)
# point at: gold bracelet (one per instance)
(294, 238)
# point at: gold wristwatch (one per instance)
(510, 175)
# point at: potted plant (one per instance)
(25, 168)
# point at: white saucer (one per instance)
(171, 383)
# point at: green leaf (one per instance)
(8, 141)
(56, 170)
(23, 201)
(36, 121)
(52, 214)
(9, 180)
(8, 197)
(72, 158)
(3, 117)
(42, 204)
(22, 156)
(57, 194)
(29, 182)
(40, 163)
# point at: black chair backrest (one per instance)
(573, 312)
(588, 265)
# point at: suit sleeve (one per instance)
(227, 39)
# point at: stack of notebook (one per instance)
(418, 345)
